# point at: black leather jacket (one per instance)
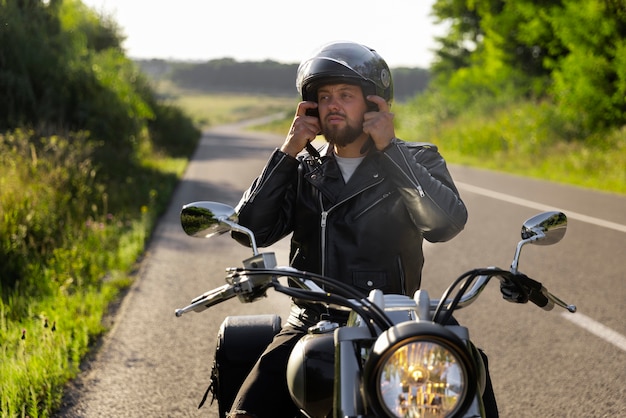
(368, 232)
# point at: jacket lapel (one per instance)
(328, 180)
(366, 175)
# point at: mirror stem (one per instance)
(238, 228)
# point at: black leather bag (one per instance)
(240, 341)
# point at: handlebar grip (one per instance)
(537, 294)
(540, 299)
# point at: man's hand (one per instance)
(303, 129)
(379, 125)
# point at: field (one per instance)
(211, 109)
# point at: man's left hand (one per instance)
(379, 124)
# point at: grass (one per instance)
(528, 139)
(43, 350)
(73, 248)
(211, 109)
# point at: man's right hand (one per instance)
(303, 129)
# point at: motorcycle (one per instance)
(397, 356)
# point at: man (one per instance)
(357, 213)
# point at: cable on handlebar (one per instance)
(343, 291)
(467, 279)
(375, 312)
(328, 298)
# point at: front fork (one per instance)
(477, 408)
(348, 394)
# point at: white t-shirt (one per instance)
(348, 166)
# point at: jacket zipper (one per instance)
(324, 216)
(412, 177)
(364, 211)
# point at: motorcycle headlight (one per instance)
(420, 369)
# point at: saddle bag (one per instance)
(241, 340)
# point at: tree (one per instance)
(569, 51)
(589, 82)
(463, 38)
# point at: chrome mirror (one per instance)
(546, 228)
(206, 219)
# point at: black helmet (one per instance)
(345, 62)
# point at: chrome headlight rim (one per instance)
(407, 333)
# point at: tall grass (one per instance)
(88, 158)
(69, 236)
(43, 349)
(521, 137)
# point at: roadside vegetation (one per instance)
(531, 88)
(91, 149)
(88, 160)
(525, 138)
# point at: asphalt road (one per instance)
(543, 364)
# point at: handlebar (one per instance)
(250, 284)
(523, 286)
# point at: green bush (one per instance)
(172, 131)
(570, 52)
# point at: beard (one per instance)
(342, 136)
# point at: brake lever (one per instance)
(540, 296)
(208, 299)
(555, 300)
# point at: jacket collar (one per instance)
(327, 178)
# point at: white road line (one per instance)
(540, 206)
(579, 319)
(596, 328)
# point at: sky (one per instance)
(281, 30)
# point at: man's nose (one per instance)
(333, 103)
